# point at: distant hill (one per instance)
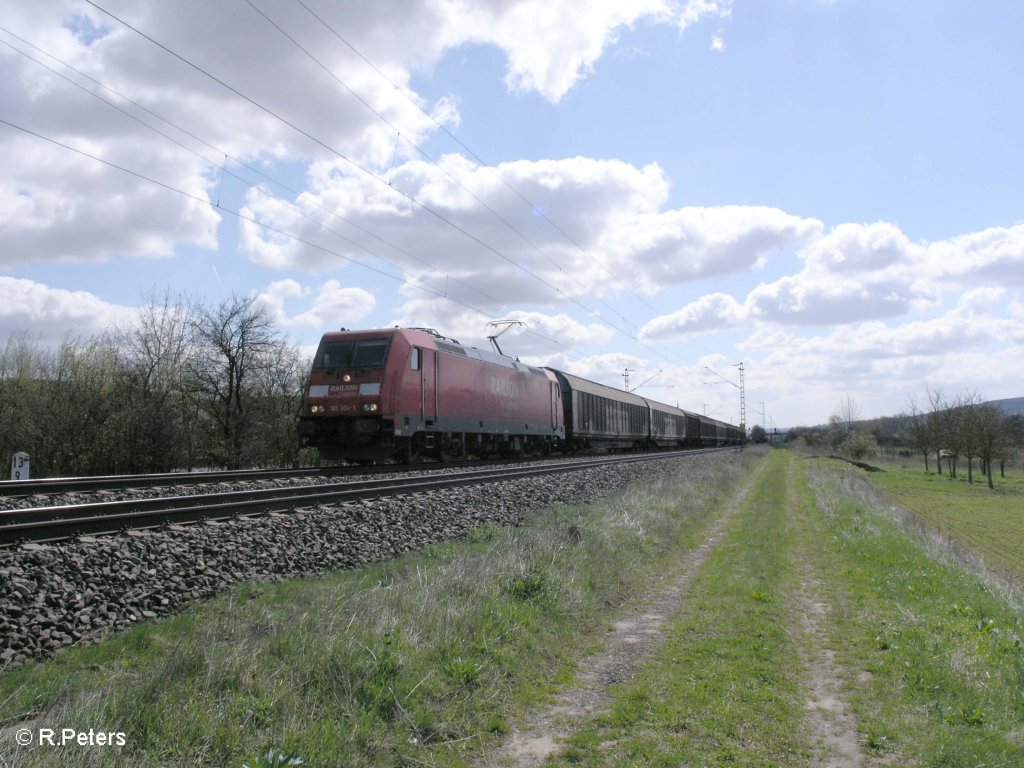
(1011, 405)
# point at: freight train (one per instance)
(409, 393)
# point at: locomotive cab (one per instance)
(345, 408)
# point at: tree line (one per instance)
(186, 385)
(963, 427)
(948, 430)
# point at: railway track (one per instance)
(58, 485)
(57, 522)
(52, 486)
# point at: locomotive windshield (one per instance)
(368, 353)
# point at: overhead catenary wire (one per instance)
(487, 166)
(422, 206)
(355, 94)
(222, 167)
(484, 164)
(626, 332)
(244, 217)
(412, 200)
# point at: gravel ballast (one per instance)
(54, 596)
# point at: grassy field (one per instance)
(987, 522)
(816, 583)
(926, 658)
(939, 654)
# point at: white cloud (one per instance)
(61, 206)
(873, 271)
(711, 312)
(804, 300)
(691, 243)
(50, 313)
(550, 44)
(331, 307)
(694, 11)
(857, 273)
(860, 249)
(887, 361)
(992, 255)
(622, 238)
(58, 206)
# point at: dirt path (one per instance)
(828, 715)
(629, 644)
(832, 724)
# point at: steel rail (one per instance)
(54, 485)
(53, 523)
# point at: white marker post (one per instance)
(19, 466)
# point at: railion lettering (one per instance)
(504, 388)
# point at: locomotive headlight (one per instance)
(369, 407)
(346, 378)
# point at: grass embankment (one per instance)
(409, 662)
(934, 656)
(926, 658)
(987, 522)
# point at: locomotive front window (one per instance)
(334, 354)
(368, 353)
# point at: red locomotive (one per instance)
(403, 393)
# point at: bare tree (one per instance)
(154, 352)
(232, 341)
(182, 383)
(919, 432)
(1011, 442)
(21, 398)
(848, 412)
(965, 426)
(994, 435)
(964, 412)
(940, 430)
(846, 435)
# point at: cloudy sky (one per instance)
(830, 192)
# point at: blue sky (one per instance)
(828, 191)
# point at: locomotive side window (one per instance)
(416, 359)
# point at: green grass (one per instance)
(418, 661)
(928, 658)
(988, 522)
(933, 656)
(724, 689)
